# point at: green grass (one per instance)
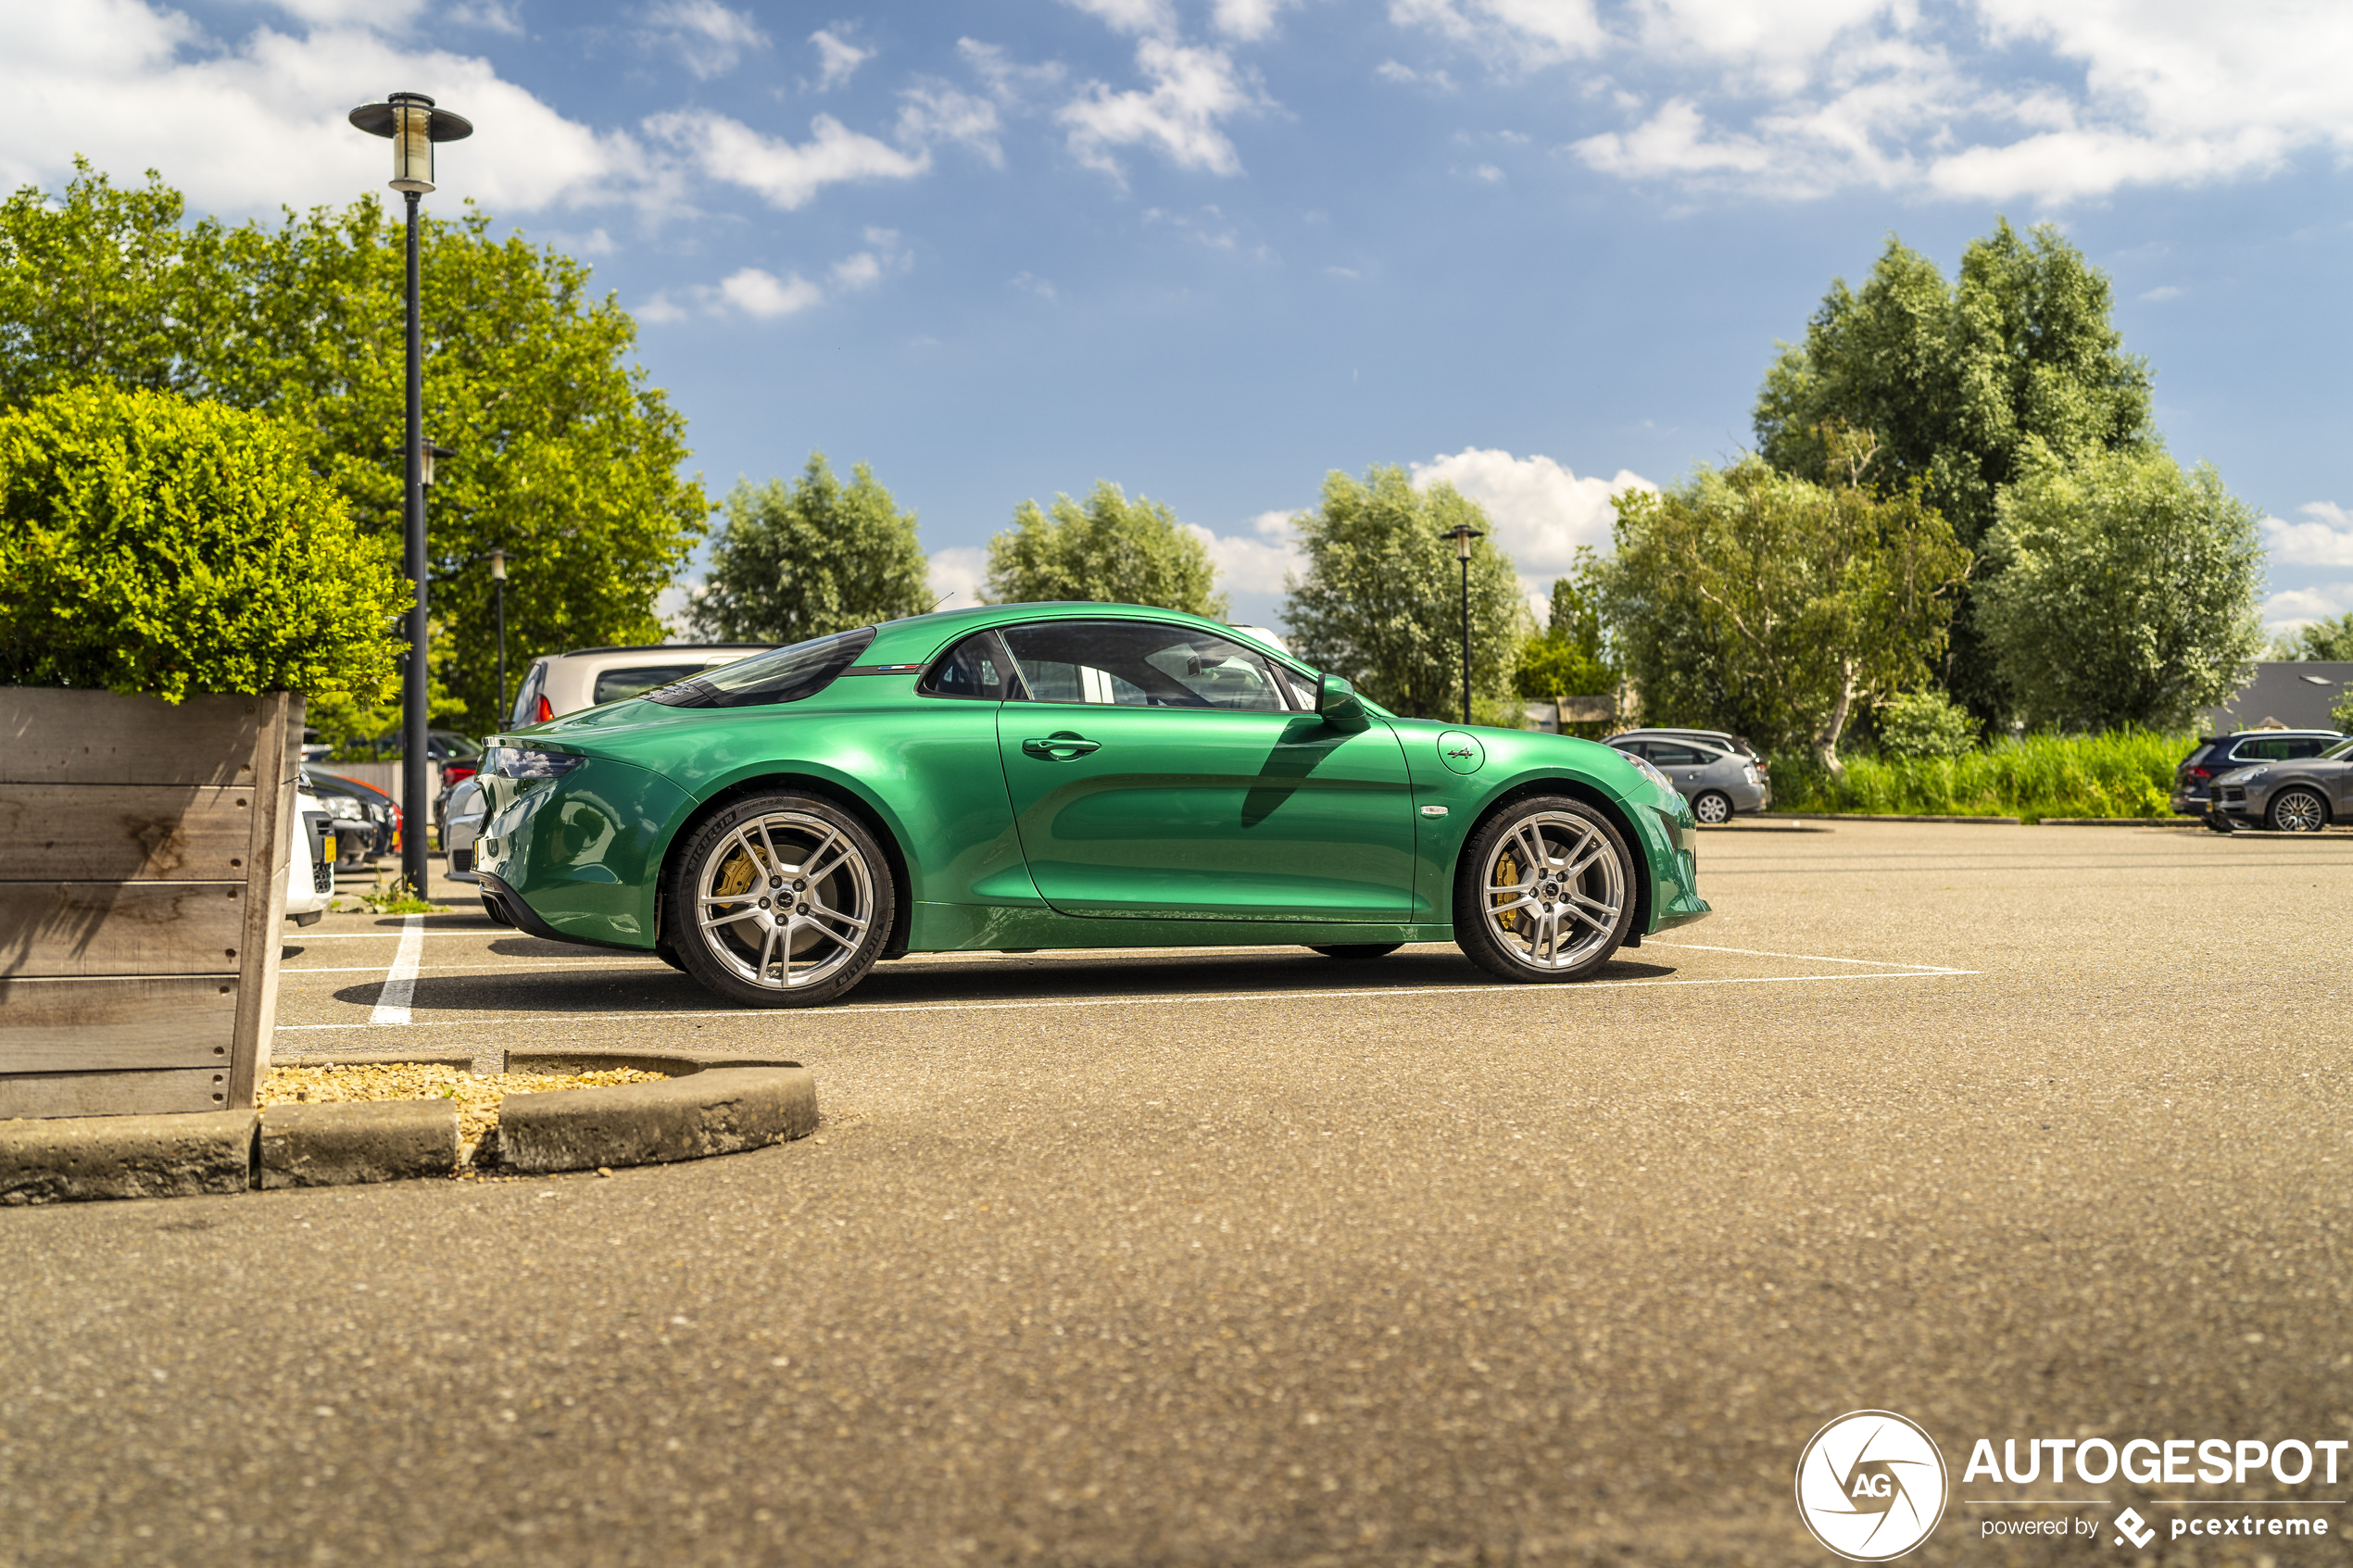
(2123, 773)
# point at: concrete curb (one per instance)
(696, 1112)
(686, 1118)
(2124, 822)
(1882, 817)
(331, 1145)
(72, 1158)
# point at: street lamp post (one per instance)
(414, 125)
(498, 597)
(1463, 533)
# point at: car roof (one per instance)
(666, 647)
(920, 637)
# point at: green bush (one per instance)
(1926, 723)
(2120, 773)
(149, 544)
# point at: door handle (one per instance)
(1060, 748)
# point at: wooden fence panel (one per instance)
(95, 1026)
(125, 833)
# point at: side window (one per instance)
(1138, 664)
(1639, 747)
(976, 668)
(2278, 749)
(2301, 747)
(1668, 755)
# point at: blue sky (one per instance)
(1211, 249)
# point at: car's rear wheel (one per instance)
(1544, 892)
(780, 900)
(1355, 950)
(2298, 810)
(1713, 809)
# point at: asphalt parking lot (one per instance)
(1251, 1257)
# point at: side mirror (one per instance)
(1336, 704)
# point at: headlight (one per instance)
(345, 807)
(522, 762)
(2248, 777)
(1649, 771)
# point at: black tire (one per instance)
(1492, 934)
(1353, 952)
(669, 955)
(738, 956)
(1712, 807)
(2297, 810)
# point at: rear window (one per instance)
(789, 675)
(2195, 758)
(636, 680)
(528, 697)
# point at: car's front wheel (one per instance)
(780, 900)
(1713, 809)
(1545, 891)
(2298, 810)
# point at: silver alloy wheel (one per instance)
(1712, 809)
(2298, 810)
(1553, 890)
(784, 900)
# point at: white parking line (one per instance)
(1497, 989)
(400, 981)
(1811, 958)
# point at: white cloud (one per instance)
(785, 175)
(1192, 90)
(2326, 539)
(837, 58)
(2300, 607)
(708, 36)
(1972, 100)
(1033, 284)
(931, 112)
(760, 294)
(1261, 561)
(957, 574)
(1542, 511)
(1009, 81)
(765, 295)
(1247, 19)
(242, 124)
(1129, 16)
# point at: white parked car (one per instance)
(566, 682)
(310, 869)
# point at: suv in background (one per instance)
(1712, 770)
(566, 682)
(2217, 754)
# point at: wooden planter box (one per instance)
(142, 888)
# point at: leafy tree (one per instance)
(2325, 638)
(2127, 591)
(1567, 658)
(1753, 601)
(1111, 550)
(1381, 601)
(821, 557)
(565, 456)
(1957, 380)
(149, 544)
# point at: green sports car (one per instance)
(1063, 776)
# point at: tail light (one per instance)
(457, 773)
(2200, 775)
(543, 713)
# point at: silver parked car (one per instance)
(1716, 772)
(566, 682)
(2301, 795)
(460, 827)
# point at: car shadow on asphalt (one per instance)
(980, 979)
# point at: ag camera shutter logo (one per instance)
(1871, 1485)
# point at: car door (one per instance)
(1158, 770)
(1681, 764)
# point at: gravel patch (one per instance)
(477, 1094)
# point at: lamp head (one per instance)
(497, 566)
(414, 125)
(428, 452)
(1463, 533)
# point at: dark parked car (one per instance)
(2217, 754)
(366, 822)
(2303, 794)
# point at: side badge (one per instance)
(1461, 752)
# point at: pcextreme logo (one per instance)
(1871, 1485)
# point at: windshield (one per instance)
(785, 675)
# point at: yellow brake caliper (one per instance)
(1506, 880)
